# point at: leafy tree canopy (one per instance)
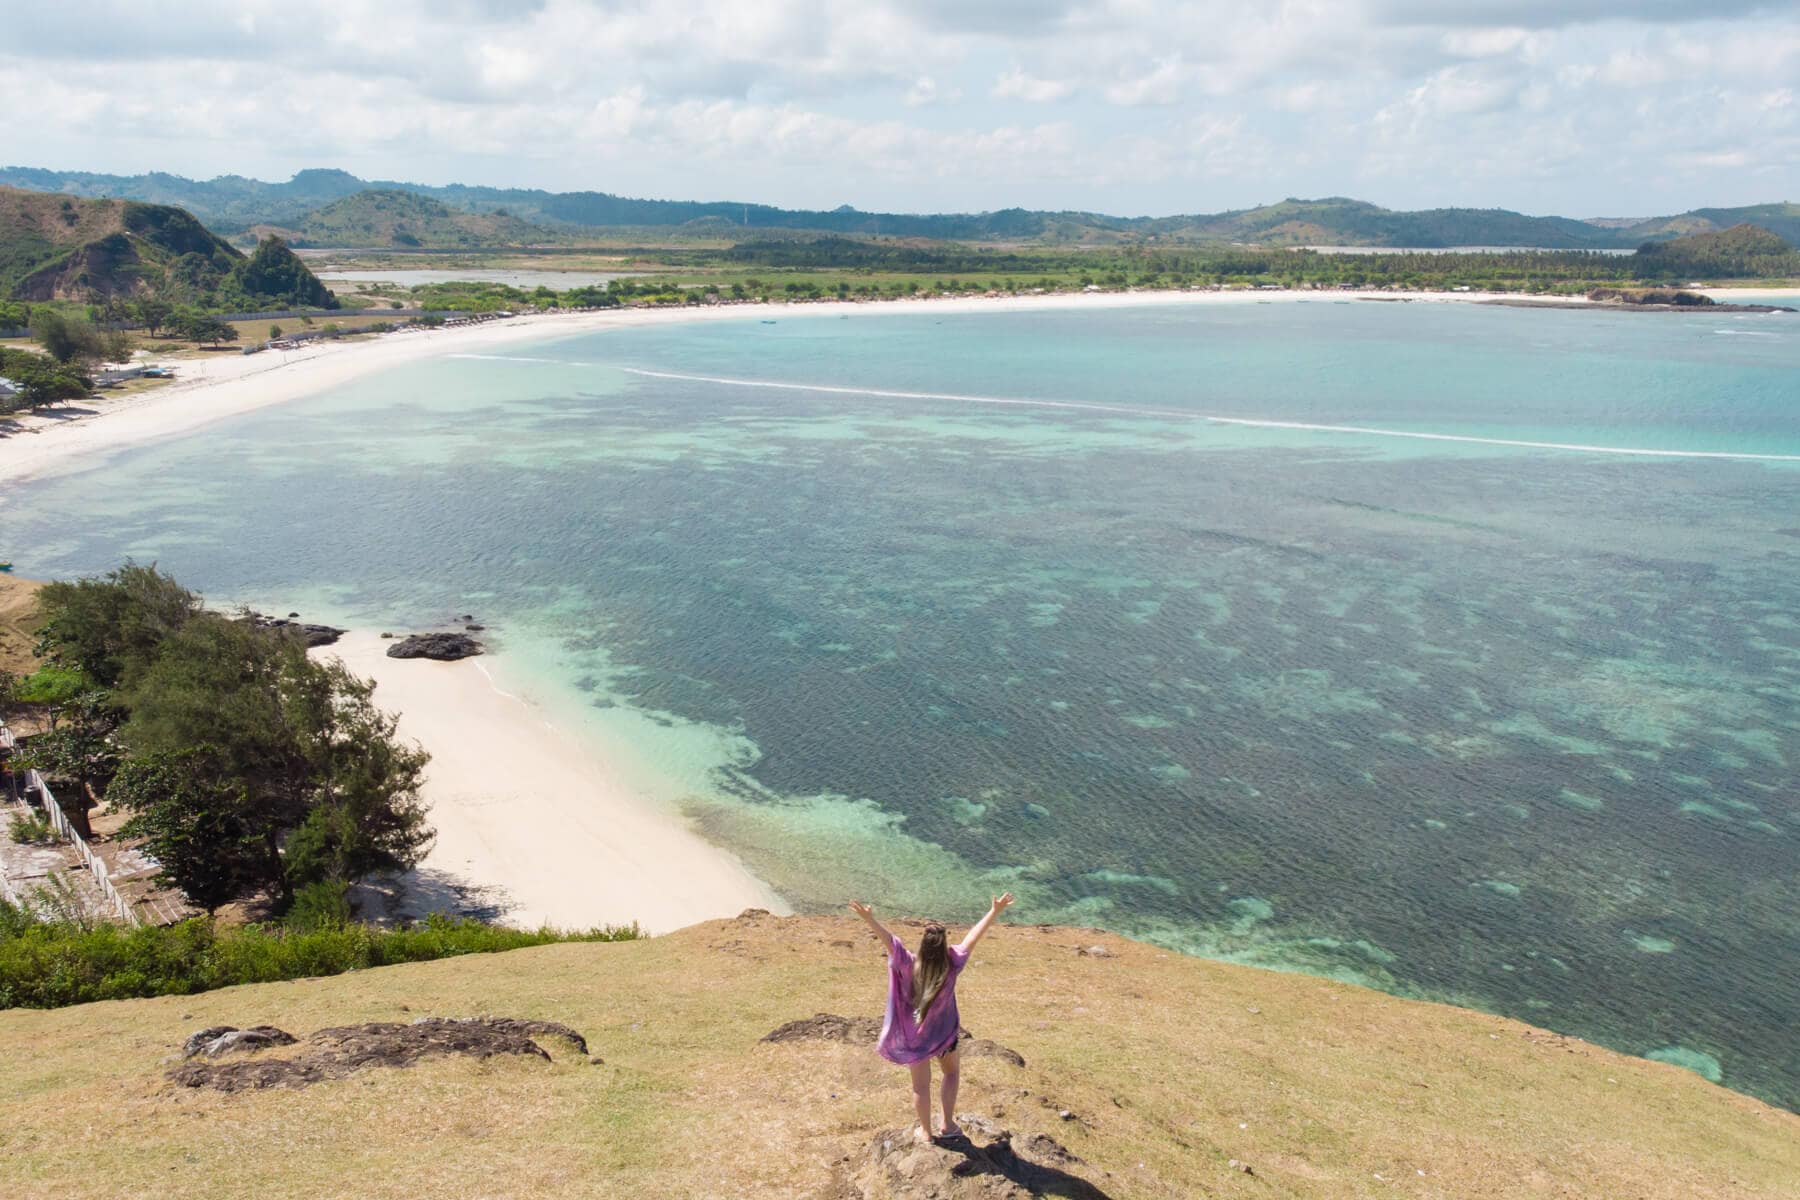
(40, 380)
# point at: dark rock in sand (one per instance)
(474, 628)
(335, 1053)
(443, 647)
(312, 635)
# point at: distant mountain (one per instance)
(59, 247)
(394, 218)
(1781, 219)
(1338, 221)
(232, 204)
(228, 204)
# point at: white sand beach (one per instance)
(527, 817)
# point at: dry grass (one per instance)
(1173, 1066)
(18, 622)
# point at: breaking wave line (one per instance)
(1177, 414)
(520, 358)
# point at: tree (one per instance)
(72, 340)
(274, 332)
(79, 745)
(328, 792)
(152, 313)
(41, 379)
(197, 823)
(200, 328)
(110, 629)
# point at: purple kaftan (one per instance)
(904, 1040)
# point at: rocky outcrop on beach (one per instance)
(443, 647)
(335, 1053)
(312, 635)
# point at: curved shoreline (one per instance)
(532, 822)
(212, 389)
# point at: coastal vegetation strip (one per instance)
(51, 962)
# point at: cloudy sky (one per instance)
(1579, 107)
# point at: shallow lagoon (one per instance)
(1503, 725)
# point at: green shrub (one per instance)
(31, 830)
(321, 905)
(51, 685)
(50, 964)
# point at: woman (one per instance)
(922, 1022)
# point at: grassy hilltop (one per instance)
(1171, 1068)
(392, 218)
(61, 248)
(54, 246)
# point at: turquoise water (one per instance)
(1511, 726)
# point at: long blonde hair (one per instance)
(930, 970)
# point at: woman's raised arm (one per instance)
(868, 915)
(1001, 902)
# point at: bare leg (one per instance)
(951, 1067)
(921, 1089)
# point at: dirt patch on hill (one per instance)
(340, 1051)
(18, 624)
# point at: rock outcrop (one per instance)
(337, 1052)
(866, 1031)
(984, 1162)
(443, 647)
(312, 635)
(223, 1039)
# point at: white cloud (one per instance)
(1017, 85)
(1162, 84)
(1545, 105)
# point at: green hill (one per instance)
(57, 247)
(1344, 222)
(1120, 1070)
(1740, 252)
(228, 204)
(391, 217)
(1780, 219)
(232, 204)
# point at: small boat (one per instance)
(768, 322)
(6, 566)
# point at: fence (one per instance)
(60, 822)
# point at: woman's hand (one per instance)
(1002, 902)
(862, 910)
